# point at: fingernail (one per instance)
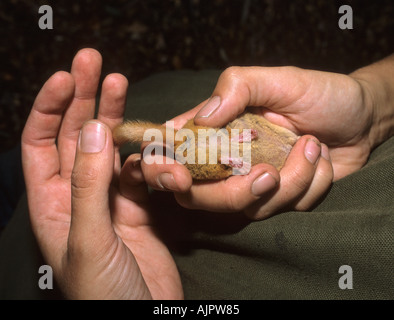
(263, 183)
(212, 105)
(167, 181)
(136, 163)
(312, 150)
(135, 170)
(92, 137)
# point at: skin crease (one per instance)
(91, 216)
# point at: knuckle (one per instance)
(233, 201)
(257, 212)
(231, 73)
(321, 184)
(325, 172)
(292, 69)
(300, 180)
(303, 206)
(83, 181)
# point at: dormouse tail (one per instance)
(133, 131)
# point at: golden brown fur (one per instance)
(270, 143)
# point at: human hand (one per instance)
(90, 216)
(330, 107)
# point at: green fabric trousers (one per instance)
(342, 249)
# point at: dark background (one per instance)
(142, 37)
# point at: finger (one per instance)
(91, 227)
(321, 182)
(296, 178)
(131, 182)
(86, 68)
(232, 194)
(113, 100)
(180, 121)
(239, 87)
(112, 106)
(162, 173)
(42, 127)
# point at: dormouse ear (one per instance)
(245, 135)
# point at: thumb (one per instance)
(239, 87)
(90, 182)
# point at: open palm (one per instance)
(90, 217)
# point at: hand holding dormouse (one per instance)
(332, 113)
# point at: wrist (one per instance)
(377, 86)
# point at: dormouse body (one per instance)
(248, 140)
